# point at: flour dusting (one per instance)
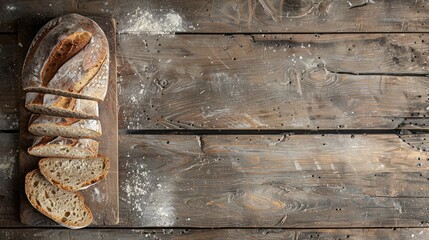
(98, 196)
(8, 164)
(9, 120)
(136, 186)
(10, 8)
(142, 191)
(153, 22)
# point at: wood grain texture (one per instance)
(232, 16)
(299, 81)
(8, 81)
(297, 181)
(103, 198)
(11, 11)
(9, 191)
(221, 234)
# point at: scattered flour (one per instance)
(144, 21)
(8, 120)
(142, 192)
(8, 163)
(10, 8)
(136, 186)
(98, 195)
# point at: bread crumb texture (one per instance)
(64, 207)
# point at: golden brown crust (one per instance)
(65, 58)
(64, 121)
(61, 106)
(90, 146)
(63, 51)
(46, 125)
(33, 202)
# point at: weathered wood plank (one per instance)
(235, 15)
(255, 181)
(280, 16)
(8, 82)
(273, 181)
(335, 81)
(224, 234)
(11, 11)
(9, 204)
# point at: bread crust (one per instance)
(33, 202)
(84, 185)
(64, 58)
(41, 120)
(90, 145)
(61, 106)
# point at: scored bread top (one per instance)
(66, 208)
(99, 83)
(42, 45)
(74, 174)
(64, 58)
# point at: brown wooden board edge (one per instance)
(108, 216)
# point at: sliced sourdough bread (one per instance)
(65, 56)
(64, 207)
(45, 125)
(64, 147)
(61, 106)
(74, 174)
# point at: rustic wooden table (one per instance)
(282, 119)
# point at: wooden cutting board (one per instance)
(102, 198)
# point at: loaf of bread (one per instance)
(61, 106)
(69, 57)
(45, 125)
(64, 207)
(64, 147)
(65, 74)
(74, 174)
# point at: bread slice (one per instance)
(64, 207)
(45, 125)
(64, 147)
(74, 174)
(64, 58)
(61, 106)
